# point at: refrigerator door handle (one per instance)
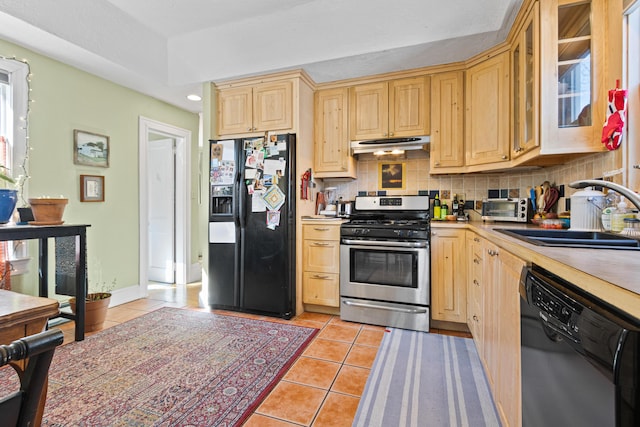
(240, 218)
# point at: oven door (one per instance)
(393, 271)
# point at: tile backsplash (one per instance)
(514, 183)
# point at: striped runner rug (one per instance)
(423, 379)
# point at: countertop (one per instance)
(609, 274)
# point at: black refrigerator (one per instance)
(252, 225)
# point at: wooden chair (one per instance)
(21, 407)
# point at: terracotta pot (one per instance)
(95, 311)
(48, 211)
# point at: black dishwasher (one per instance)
(579, 356)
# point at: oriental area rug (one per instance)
(171, 367)
(420, 379)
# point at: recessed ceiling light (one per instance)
(194, 97)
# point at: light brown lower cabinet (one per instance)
(448, 275)
(475, 284)
(499, 346)
(321, 264)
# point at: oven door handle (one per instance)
(386, 243)
(384, 307)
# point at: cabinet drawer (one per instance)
(321, 232)
(321, 289)
(321, 256)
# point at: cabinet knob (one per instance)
(390, 133)
(475, 317)
(249, 129)
(321, 228)
(504, 157)
(477, 240)
(475, 282)
(436, 164)
(320, 276)
(476, 261)
(636, 166)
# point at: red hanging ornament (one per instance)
(616, 117)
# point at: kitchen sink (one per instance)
(573, 238)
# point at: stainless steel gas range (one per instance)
(385, 262)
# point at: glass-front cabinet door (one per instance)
(525, 64)
(573, 66)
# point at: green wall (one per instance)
(65, 99)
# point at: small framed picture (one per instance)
(392, 176)
(91, 188)
(90, 149)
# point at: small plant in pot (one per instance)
(8, 197)
(48, 210)
(96, 305)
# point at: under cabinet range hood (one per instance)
(389, 145)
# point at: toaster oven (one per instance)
(510, 209)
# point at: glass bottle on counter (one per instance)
(436, 207)
(444, 211)
(611, 201)
(618, 216)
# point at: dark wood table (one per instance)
(43, 234)
(23, 315)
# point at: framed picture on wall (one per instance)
(91, 188)
(90, 149)
(392, 176)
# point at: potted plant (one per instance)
(96, 305)
(48, 210)
(8, 197)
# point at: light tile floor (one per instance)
(322, 388)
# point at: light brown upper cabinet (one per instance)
(447, 121)
(487, 111)
(572, 91)
(525, 72)
(573, 69)
(332, 157)
(260, 108)
(390, 109)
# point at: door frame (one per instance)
(182, 199)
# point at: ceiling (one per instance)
(167, 48)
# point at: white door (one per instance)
(161, 196)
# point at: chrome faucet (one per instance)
(626, 192)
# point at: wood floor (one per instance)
(322, 388)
